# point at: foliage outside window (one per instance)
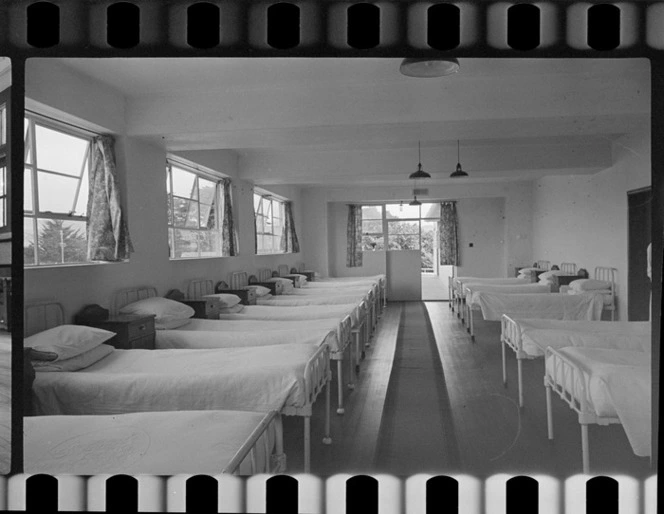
(373, 236)
(269, 214)
(194, 212)
(57, 163)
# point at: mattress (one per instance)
(291, 313)
(331, 291)
(371, 278)
(197, 339)
(475, 288)
(265, 327)
(303, 301)
(543, 306)
(249, 379)
(536, 335)
(619, 385)
(5, 401)
(157, 443)
(495, 281)
(339, 285)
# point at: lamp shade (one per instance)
(458, 172)
(429, 67)
(415, 201)
(420, 173)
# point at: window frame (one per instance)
(35, 214)
(218, 206)
(5, 228)
(380, 234)
(276, 238)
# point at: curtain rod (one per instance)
(44, 116)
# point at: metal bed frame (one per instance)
(574, 391)
(239, 280)
(317, 374)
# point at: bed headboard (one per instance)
(283, 270)
(42, 315)
(568, 268)
(606, 274)
(544, 265)
(238, 280)
(264, 274)
(126, 296)
(198, 288)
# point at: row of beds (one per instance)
(601, 369)
(209, 397)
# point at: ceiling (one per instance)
(328, 121)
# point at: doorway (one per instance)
(638, 239)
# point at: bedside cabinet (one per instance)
(132, 332)
(203, 309)
(311, 275)
(247, 296)
(276, 288)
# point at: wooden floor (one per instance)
(490, 434)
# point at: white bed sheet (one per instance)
(218, 338)
(249, 379)
(494, 281)
(537, 334)
(303, 301)
(156, 443)
(543, 306)
(331, 291)
(339, 285)
(475, 288)
(620, 384)
(605, 293)
(263, 326)
(371, 278)
(290, 313)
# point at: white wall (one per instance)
(495, 217)
(141, 169)
(584, 219)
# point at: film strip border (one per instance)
(308, 27)
(340, 494)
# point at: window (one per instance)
(269, 214)
(373, 237)
(57, 162)
(194, 212)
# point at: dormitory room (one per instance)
(338, 266)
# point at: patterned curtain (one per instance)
(229, 245)
(108, 236)
(289, 242)
(447, 232)
(354, 237)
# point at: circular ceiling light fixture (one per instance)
(429, 67)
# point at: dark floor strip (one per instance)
(417, 431)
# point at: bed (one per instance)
(156, 443)
(471, 291)
(286, 378)
(538, 305)
(604, 274)
(529, 338)
(603, 386)
(223, 333)
(457, 284)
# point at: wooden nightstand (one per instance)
(132, 332)
(247, 296)
(203, 309)
(311, 275)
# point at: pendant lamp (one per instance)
(458, 172)
(420, 173)
(415, 201)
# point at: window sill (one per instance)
(176, 259)
(72, 265)
(272, 253)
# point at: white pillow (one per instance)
(163, 309)
(232, 310)
(528, 270)
(81, 361)
(259, 290)
(589, 284)
(225, 299)
(172, 324)
(551, 274)
(65, 341)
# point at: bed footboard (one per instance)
(274, 461)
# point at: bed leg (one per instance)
(502, 344)
(584, 449)
(351, 362)
(471, 328)
(519, 368)
(340, 388)
(307, 444)
(279, 457)
(549, 413)
(327, 439)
